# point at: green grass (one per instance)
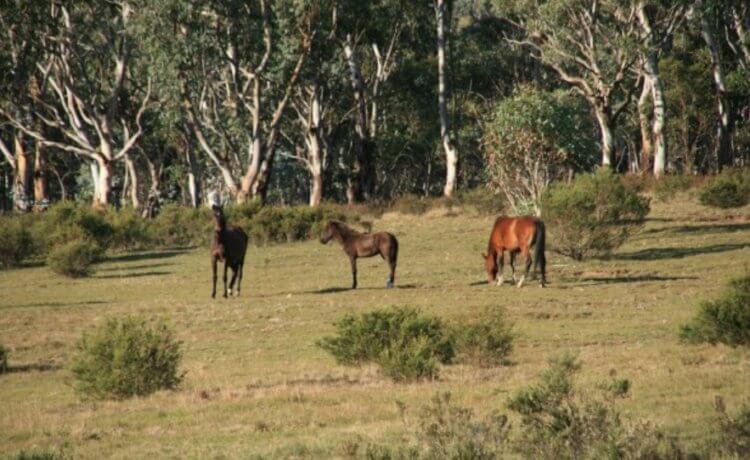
(257, 384)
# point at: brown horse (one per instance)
(229, 245)
(515, 235)
(358, 244)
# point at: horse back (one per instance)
(513, 233)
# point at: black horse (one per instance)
(229, 245)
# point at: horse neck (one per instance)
(342, 235)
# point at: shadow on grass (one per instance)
(37, 367)
(58, 304)
(150, 255)
(333, 290)
(593, 280)
(132, 275)
(702, 229)
(135, 267)
(676, 253)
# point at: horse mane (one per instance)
(344, 230)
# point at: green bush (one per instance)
(66, 221)
(125, 357)
(4, 353)
(412, 204)
(130, 231)
(15, 242)
(592, 215)
(724, 320)
(733, 432)
(667, 187)
(406, 344)
(73, 259)
(485, 342)
(182, 226)
(729, 190)
(535, 138)
(482, 200)
(276, 224)
(558, 421)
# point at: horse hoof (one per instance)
(389, 285)
(500, 281)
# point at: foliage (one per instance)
(4, 353)
(74, 258)
(125, 357)
(534, 138)
(180, 226)
(723, 320)
(405, 343)
(733, 432)
(558, 421)
(482, 200)
(667, 187)
(274, 224)
(15, 242)
(728, 190)
(592, 215)
(485, 342)
(130, 231)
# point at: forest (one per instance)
(142, 102)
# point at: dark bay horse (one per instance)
(515, 235)
(229, 245)
(358, 244)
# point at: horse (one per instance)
(515, 235)
(357, 244)
(229, 245)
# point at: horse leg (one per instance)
(527, 261)
(353, 261)
(500, 264)
(513, 266)
(213, 265)
(239, 278)
(226, 266)
(235, 270)
(392, 276)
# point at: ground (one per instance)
(256, 383)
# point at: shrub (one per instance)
(412, 204)
(559, 422)
(130, 231)
(406, 344)
(3, 359)
(41, 455)
(592, 215)
(273, 224)
(125, 357)
(484, 200)
(734, 432)
(667, 187)
(725, 191)
(73, 259)
(66, 221)
(15, 242)
(535, 138)
(182, 226)
(724, 320)
(486, 342)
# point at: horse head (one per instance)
(220, 221)
(490, 265)
(327, 234)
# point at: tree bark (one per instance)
(645, 125)
(723, 145)
(449, 147)
(41, 191)
(103, 180)
(193, 179)
(21, 184)
(604, 118)
(660, 140)
(360, 185)
(132, 173)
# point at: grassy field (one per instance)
(257, 384)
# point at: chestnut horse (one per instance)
(515, 235)
(358, 244)
(229, 245)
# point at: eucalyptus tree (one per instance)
(658, 20)
(592, 45)
(443, 15)
(87, 102)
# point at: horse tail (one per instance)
(393, 252)
(540, 261)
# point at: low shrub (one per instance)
(41, 455)
(411, 204)
(558, 421)
(15, 242)
(73, 259)
(4, 353)
(182, 226)
(733, 432)
(124, 357)
(726, 191)
(130, 231)
(483, 200)
(723, 320)
(275, 224)
(485, 342)
(406, 344)
(667, 187)
(592, 215)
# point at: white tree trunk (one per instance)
(21, 196)
(645, 124)
(193, 178)
(94, 168)
(660, 140)
(608, 142)
(451, 152)
(104, 176)
(133, 182)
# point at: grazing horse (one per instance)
(515, 235)
(358, 244)
(229, 245)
